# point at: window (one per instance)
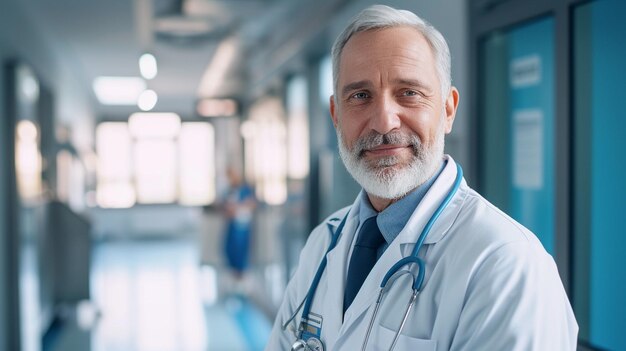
(153, 159)
(297, 128)
(265, 151)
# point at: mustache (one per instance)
(375, 139)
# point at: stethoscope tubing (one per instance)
(413, 258)
(442, 206)
(320, 270)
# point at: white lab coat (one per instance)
(489, 284)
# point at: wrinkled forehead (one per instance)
(386, 50)
(387, 40)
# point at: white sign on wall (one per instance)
(525, 71)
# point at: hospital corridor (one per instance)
(165, 162)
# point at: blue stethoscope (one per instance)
(308, 337)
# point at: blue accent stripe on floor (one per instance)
(223, 331)
(253, 324)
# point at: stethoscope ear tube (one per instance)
(375, 313)
(406, 316)
(417, 283)
(369, 327)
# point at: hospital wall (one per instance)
(21, 40)
(4, 269)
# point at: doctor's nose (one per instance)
(385, 116)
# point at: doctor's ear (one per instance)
(333, 110)
(451, 105)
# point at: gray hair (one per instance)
(380, 17)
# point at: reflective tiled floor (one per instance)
(152, 295)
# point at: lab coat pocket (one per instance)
(383, 338)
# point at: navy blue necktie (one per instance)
(364, 256)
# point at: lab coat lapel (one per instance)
(429, 204)
(333, 286)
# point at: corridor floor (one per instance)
(153, 295)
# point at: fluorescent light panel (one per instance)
(118, 90)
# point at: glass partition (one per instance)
(599, 166)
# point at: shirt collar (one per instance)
(393, 219)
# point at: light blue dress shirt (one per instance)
(392, 219)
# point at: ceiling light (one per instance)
(118, 90)
(148, 66)
(147, 100)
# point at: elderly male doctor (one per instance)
(488, 284)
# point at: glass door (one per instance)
(516, 139)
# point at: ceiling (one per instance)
(204, 48)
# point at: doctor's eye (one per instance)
(410, 93)
(360, 95)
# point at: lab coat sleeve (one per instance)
(310, 257)
(515, 301)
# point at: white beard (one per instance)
(386, 178)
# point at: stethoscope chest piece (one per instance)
(315, 344)
(299, 345)
(311, 344)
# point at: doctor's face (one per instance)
(388, 111)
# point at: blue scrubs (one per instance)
(239, 230)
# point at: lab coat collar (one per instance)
(429, 204)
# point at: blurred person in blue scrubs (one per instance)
(462, 274)
(239, 205)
